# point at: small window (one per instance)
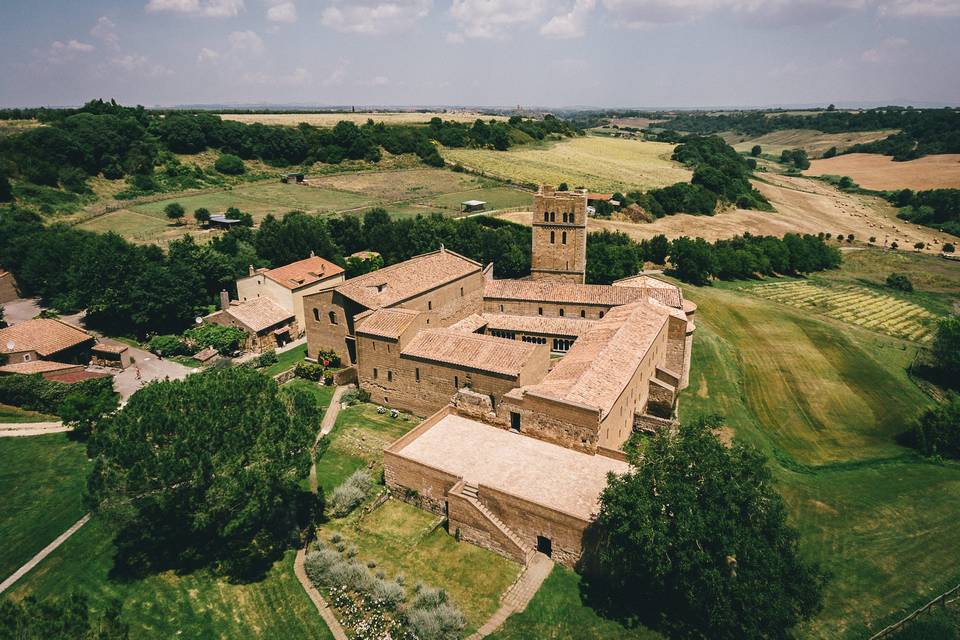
(416, 373)
(539, 311)
(583, 314)
(564, 216)
(501, 308)
(561, 313)
(553, 237)
(316, 315)
(333, 317)
(373, 344)
(601, 314)
(429, 305)
(546, 217)
(27, 357)
(461, 292)
(553, 216)
(456, 382)
(376, 373)
(563, 237)
(389, 376)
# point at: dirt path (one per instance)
(518, 596)
(326, 426)
(47, 550)
(21, 429)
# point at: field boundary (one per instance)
(42, 554)
(944, 599)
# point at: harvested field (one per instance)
(11, 127)
(330, 119)
(596, 162)
(815, 143)
(391, 186)
(873, 171)
(802, 206)
(639, 123)
(855, 305)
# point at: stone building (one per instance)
(8, 287)
(266, 323)
(46, 339)
(559, 235)
(444, 286)
(289, 284)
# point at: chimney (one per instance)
(312, 254)
(251, 270)
(224, 300)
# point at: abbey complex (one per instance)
(531, 386)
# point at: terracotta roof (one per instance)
(259, 314)
(643, 280)
(303, 272)
(387, 323)
(572, 293)
(470, 324)
(602, 361)
(599, 196)
(110, 347)
(390, 285)
(36, 366)
(539, 324)
(470, 350)
(46, 336)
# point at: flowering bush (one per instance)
(308, 371)
(351, 493)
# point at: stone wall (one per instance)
(8, 287)
(567, 425)
(326, 332)
(474, 527)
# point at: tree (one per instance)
(66, 618)
(84, 410)
(6, 191)
(919, 246)
(174, 211)
(658, 248)
(899, 281)
(694, 538)
(230, 164)
(894, 245)
(562, 187)
(850, 237)
(202, 215)
(205, 471)
(756, 151)
(692, 260)
(948, 247)
(937, 431)
(946, 347)
(845, 182)
(3, 323)
(830, 153)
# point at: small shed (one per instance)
(469, 206)
(223, 222)
(296, 177)
(110, 354)
(205, 355)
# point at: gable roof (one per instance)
(470, 350)
(46, 336)
(573, 293)
(37, 366)
(539, 324)
(396, 283)
(387, 323)
(303, 272)
(258, 314)
(603, 360)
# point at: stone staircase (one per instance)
(471, 493)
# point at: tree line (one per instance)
(939, 208)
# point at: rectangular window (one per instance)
(501, 308)
(539, 311)
(375, 373)
(429, 305)
(456, 382)
(561, 313)
(417, 373)
(316, 315)
(389, 376)
(461, 292)
(583, 314)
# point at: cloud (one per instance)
(337, 75)
(60, 52)
(245, 42)
(134, 62)
(376, 81)
(374, 17)
(105, 31)
(208, 8)
(492, 18)
(771, 13)
(281, 11)
(570, 24)
(920, 8)
(299, 77)
(885, 51)
(208, 55)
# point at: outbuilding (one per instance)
(470, 206)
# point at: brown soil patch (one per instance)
(802, 206)
(816, 143)
(725, 435)
(824, 507)
(702, 390)
(872, 171)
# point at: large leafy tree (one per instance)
(946, 347)
(937, 431)
(67, 618)
(205, 471)
(694, 539)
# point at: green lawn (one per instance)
(321, 392)
(401, 538)
(824, 401)
(286, 360)
(495, 197)
(357, 441)
(41, 485)
(557, 612)
(196, 605)
(16, 415)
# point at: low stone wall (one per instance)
(345, 376)
(285, 376)
(476, 528)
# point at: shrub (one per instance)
(388, 594)
(267, 358)
(34, 393)
(318, 565)
(899, 281)
(351, 493)
(948, 247)
(937, 432)
(308, 371)
(230, 164)
(352, 575)
(225, 340)
(328, 358)
(894, 245)
(356, 395)
(444, 622)
(168, 346)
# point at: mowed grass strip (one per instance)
(857, 305)
(402, 539)
(42, 479)
(168, 605)
(825, 402)
(16, 415)
(596, 162)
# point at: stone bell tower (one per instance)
(559, 235)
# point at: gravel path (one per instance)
(47, 550)
(19, 429)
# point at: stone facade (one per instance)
(559, 235)
(8, 287)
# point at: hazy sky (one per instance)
(655, 53)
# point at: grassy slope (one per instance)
(286, 360)
(41, 486)
(16, 415)
(824, 401)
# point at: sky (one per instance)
(548, 53)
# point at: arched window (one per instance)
(553, 237)
(561, 313)
(333, 317)
(564, 216)
(546, 217)
(316, 315)
(553, 216)
(564, 237)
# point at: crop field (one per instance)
(856, 305)
(595, 162)
(873, 171)
(330, 119)
(815, 143)
(824, 401)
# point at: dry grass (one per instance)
(814, 142)
(872, 171)
(596, 162)
(11, 127)
(330, 119)
(390, 186)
